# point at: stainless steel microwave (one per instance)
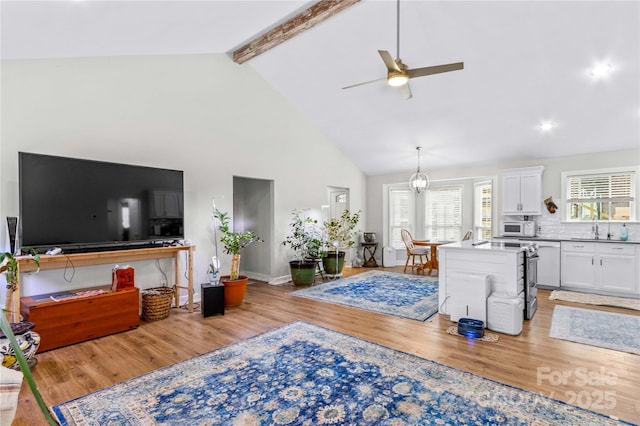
(522, 228)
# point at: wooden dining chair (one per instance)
(413, 251)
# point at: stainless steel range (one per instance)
(530, 279)
(531, 257)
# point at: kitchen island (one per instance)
(470, 273)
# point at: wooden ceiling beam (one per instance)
(319, 12)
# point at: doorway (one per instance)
(338, 201)
(253, 210)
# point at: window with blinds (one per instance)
(482, 210)
(401, 214)
(443, 214)
(602, 195)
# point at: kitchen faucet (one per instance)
(594, 228)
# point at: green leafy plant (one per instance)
(26, 370)
(9, 265)
(234, 242)
(340, 232)
(305, 236)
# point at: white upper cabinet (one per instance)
(522, 191)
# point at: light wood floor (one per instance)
(599, 377)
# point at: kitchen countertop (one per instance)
(481, 246)
(560, 239)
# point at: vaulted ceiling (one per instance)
(525, 63)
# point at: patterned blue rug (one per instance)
(597, 328)
(402, 295)
(303, 374)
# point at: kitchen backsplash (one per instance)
(552, 227)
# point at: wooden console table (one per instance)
(25, 264)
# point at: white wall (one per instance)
(551, 185)
(202, 114)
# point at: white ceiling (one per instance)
(524, 62)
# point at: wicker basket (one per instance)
(156, 303)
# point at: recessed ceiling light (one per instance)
(547, 126)
(601, 70)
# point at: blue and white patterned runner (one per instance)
(403, 295)
(597, 328)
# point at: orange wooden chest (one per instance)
(64, 322)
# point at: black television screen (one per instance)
(85, 205)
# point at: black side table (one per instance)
(368, 253)
(212, 299)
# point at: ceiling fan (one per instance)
(398, 74)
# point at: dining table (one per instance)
(432, 261)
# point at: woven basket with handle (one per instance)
(156, 303)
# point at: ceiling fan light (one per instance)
(397, 80)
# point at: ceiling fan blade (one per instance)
(366, 82)
(405, 91)
(436, 69)
(388, 61)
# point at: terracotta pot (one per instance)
(234, 290)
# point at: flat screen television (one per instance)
(83, 205)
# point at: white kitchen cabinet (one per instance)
(601, 267)
(617, 267)
(522, 191)
(578, 265)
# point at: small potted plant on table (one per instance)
(305, 241)
(340, 233)
(235, 285)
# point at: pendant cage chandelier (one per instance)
(419, 181)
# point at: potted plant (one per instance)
(9, 265)
(24, 366)
(339, 236)
(235, 285)
(306, 242)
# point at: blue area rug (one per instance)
(596, 328)
(402, 295)
(302, 374)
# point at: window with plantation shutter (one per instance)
(482, 211)
(401, 207)
(443, 214)
(601, 194)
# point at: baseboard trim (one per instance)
(280, 280)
